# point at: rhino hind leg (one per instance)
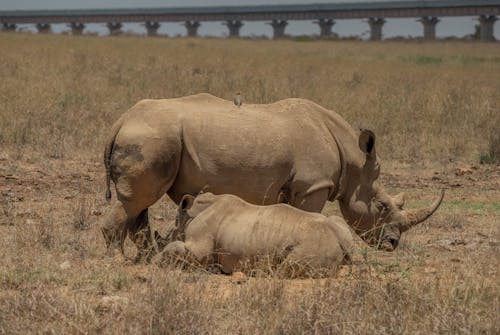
(307, 261)
(142, 174)
(129, 215)
(139, 232)
(112, 228)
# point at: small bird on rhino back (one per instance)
(238, 100)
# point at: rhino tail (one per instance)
(108, 152)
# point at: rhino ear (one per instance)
(186, 202)
(367, 141)
(204, 189)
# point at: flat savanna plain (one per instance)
(435, 109)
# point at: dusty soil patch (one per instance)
(53, 276)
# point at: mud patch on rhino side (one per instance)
(123, 156)
(129, 151)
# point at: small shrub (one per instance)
(422, 60)
(493, 155)
(46, 234)
(81, 214)
(488, 159)
(7, 213)
(304, 38)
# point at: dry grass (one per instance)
(429, 104)
(425, 101)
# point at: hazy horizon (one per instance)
(449, 26)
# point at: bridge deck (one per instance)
(262, 12)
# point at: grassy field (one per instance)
(435, 108)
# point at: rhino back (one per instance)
(245, 229)
(251, 151)
(254, 151)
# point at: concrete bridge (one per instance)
(427, 12)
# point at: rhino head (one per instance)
(376, 216)
(189, 208)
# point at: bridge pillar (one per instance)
(429, 23)
(486, 23)
(152, 28)
(77, 28)
(234, 27)
(376, 24)
(43, 28)
(325, 27)
(9, 26)
(192, 28)
(278, 28)
(115, 28)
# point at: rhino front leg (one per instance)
(175, 251)
(175, 248)
(191, 253)
(312, 202)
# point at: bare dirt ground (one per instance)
(54, 278)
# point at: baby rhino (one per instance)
(228, 232)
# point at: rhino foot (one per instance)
(145, 255)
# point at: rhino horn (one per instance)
(413, 218)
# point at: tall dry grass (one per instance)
(437, 101)
(58, 96)
(53, 280)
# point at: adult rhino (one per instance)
(228, 231)
(291, 151)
